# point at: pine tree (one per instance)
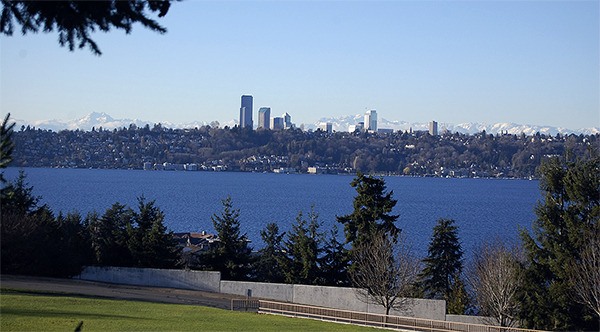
(109, 236)
(335, 261)
(6, 148)
(302, 249)
(231, 254)
(571, 209)
(76, 20)
(372, 208)
(443, 264)
(267, 268)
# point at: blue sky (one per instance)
(528, 62)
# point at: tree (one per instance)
(443, 264)
(33, 241)
(570, 210)
(372, 208)
(231, 254)
(267, 268)
(384, 272)
(496, 278)
(585, 273)
(302, 249)
(6, 147)
(109, 236)
(150, 243)
(335, 261)
(76, 20)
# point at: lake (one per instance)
(482, 208)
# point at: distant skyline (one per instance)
(528, 62)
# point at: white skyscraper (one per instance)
(433, 128)
(264, 117)
(371, 121)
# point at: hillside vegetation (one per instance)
(235, 149)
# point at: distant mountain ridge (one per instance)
(105, 121)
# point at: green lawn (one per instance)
(29, 311)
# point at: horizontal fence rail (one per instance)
(368, 319)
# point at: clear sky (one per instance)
(528, 62)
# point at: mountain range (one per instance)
(339, 124)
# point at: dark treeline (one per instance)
(265, 150)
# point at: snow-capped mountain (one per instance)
(97, 120)
(339, 124)
(344, 122)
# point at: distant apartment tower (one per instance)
(433, 128)
(371, 121)
(287, 121)
(326, 127)
(357, 127)
(277, 123)
(246, 112)
(264, 117)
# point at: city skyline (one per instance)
(456, 62)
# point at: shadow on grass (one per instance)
(65, 314)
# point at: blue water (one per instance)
(482, 208)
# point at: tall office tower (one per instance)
(264, 117)
(371, 121)
(246, 112)
(277, 123)
(287, 121)
(433, 128)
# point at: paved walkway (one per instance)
(113, 291)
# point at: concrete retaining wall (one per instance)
(471, 319)
(343, 298)
(276, 292)
(346, 298)
(195, 280)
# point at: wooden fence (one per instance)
(367, 319)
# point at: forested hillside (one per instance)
(234, 149)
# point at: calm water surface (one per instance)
(482, 208)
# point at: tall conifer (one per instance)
(443, 264)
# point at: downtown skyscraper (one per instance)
(264, 117)
(371, 121)
(246, 112)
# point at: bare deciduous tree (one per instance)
(495, 279)
(384, 272)
(585, 273)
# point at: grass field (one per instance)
(31, 311)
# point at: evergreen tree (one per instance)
(267, 267)
(443, 264)
(109, 236)
(76, 20)
(458, 302)
(334, 263)
(149, 242)
(302, 249)
(33, 241)
(570, 209)
(372, 208)
(231, 254)
(6, 148)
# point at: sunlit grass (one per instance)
(28, 311)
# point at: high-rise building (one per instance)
(287, 121)
(433, 128)
(246, 112)
(371, 121)
(277, 123)
(264, 117)
(326, 127)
